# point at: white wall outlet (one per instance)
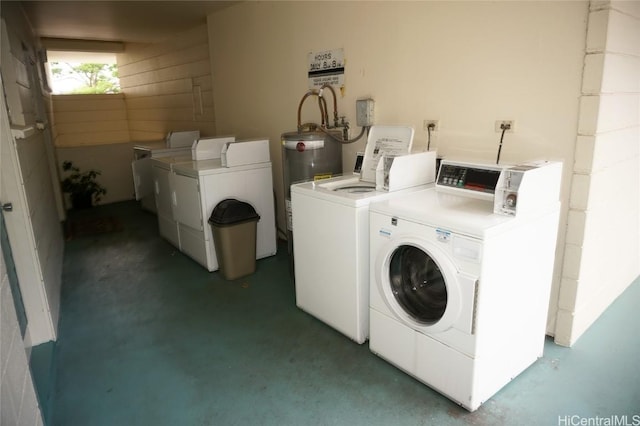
(364, 112)
(510, 123)
(433, 124)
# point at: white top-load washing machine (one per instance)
(461, 276)
(176, 144)
(243, 172)
(331, 227)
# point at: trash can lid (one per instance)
(231, 211)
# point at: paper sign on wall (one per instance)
(326, 67)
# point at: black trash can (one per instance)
(234, 225)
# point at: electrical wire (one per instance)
(504, 128)
(428, 137)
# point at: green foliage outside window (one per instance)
(89, 78)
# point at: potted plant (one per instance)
(82, 187)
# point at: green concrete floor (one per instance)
(148, 337)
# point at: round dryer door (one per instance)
(418, 283)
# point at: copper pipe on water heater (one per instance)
(321, 103)
(335, 103)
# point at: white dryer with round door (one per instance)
(461, 275)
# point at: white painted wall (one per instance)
(87, 120)
(167, 85)
(466, 64)
(113, 161)
(603, 236)
(18, 400)
(92, 131)
(33, 226)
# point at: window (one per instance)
(83, 73)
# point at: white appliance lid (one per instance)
(182, 139)
(384, 140)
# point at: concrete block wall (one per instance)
(18, 399)
(45, 232)
(165, 86)
(602, 254)
(93, 132)
(168, 86)
(84, 120)
(33, 227)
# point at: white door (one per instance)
(187, 206)
(142, 178)
(162, 189)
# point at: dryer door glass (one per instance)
(418, 284)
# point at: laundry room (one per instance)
(561, 74)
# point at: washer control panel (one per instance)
(469, 178)
(513, 190)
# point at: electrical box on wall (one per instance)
(364, 112)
